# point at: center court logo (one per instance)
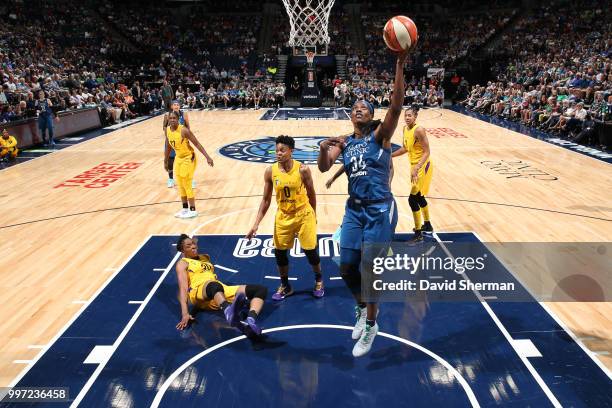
(264, 150)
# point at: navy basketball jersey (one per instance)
(45, 109)
(367, 166)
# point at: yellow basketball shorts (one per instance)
(302, 223)
(197, 297)
(12, 151)
(424, 180)
(183, 174)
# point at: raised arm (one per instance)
(186, 118)
(265, 203)
(387, 127)
(185, 132)
(166, 144)
(329, 150)
(308, 183)
(165, 123)
(183, 281)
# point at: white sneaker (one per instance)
(193, 184)
(360, 315)
(191, 214)
(182, 213)
(170, 183)
(365, 342)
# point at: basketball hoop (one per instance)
(309, 20)
(310, 58)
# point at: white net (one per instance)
(309, 22)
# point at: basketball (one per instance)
(400, 33)
(232, 159)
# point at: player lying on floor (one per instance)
(198, 285)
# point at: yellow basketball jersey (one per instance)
(413, 147)
(290, 191)
(180, 144)
(200, 270)
(9, 143)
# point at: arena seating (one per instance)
(94, 56)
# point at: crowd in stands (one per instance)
(241, 6)
(375, 6)
(555, 74)
(77, 58)
(193, 44)
(340, 33)
(442, 40)
(54, 47)
(424, 92)
(242, 94)
(43, 47)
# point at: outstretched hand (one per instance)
(184, 321)
(252, 233)
(333, 141)
(414, 176)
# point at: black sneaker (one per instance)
(427, 227)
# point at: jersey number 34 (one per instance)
(357, 164)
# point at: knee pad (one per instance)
(212, 289)
(413, 201)
(313, 256)
(256, 291)
(281, 257)
(421, 200)
(351, 277)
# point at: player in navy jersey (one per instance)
(370, 213)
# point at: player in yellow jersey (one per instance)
(8, 146)
(416, 144)
(183, 120)
(184, 163)
(296, 214)
(199, 285)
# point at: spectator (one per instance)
(167, 95)
(45, 114)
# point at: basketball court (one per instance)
(90, 288)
